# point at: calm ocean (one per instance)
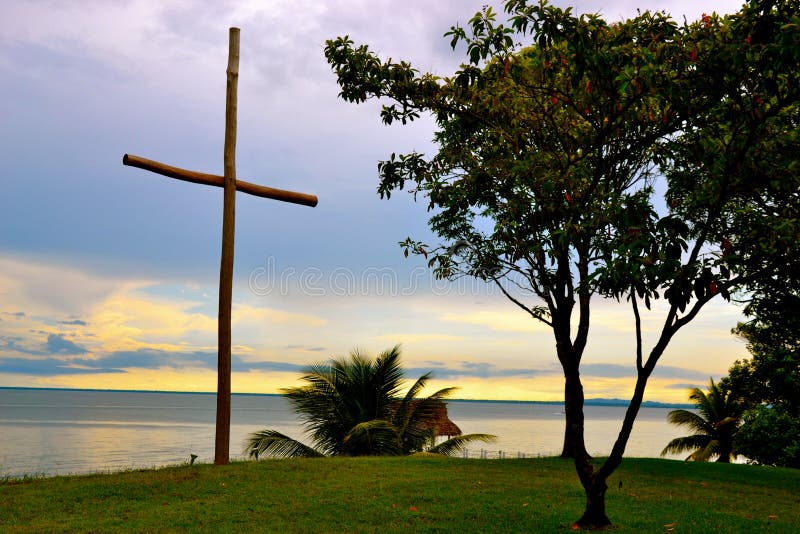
(49, 432)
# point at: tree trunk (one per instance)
(594, 517)
(725, 447)
(593, 482)
(567, 451)
(573, 414)
(574, 444)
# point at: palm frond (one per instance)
(388, 374)
(443, 393)
(417, 386)
(273, 443)
(371, 438)
(726, 422)
(703, 403)
(704, 454)
(689, 419)
(686, 443)
(459, 443)
(417, 416)
(403, 410)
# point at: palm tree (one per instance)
(352, 406)
(715, 425)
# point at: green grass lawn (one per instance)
(411, 494)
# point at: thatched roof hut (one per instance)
(439, 422)
(443, 426)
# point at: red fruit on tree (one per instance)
(726, 246)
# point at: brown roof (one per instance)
(441, 424)
(447, 428)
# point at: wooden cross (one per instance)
(229, 182)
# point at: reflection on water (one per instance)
(59, 432)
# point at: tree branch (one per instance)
(521, 305)
(638, 318)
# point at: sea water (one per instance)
(50, 432)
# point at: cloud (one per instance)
(513, 320)
(685, 386)
(130, 318)
(51, 289)
(130, 361)
(243, 366)
(56, 344)
(48, 367)
(416, 338)
(136, 326)
(306, 348)
(613, 370)
(12, 344)
(473, 369)
(154, 359)
(245, 314)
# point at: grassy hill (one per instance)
(412, 494)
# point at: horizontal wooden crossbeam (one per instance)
(219, 181)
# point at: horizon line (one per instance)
(600, 400)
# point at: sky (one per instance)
(109, 274)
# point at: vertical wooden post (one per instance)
(223, 437)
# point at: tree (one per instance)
(772, 375)
(770, 436)
(353, 407)
(770, 381)
(558, 143)
(715, 425)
